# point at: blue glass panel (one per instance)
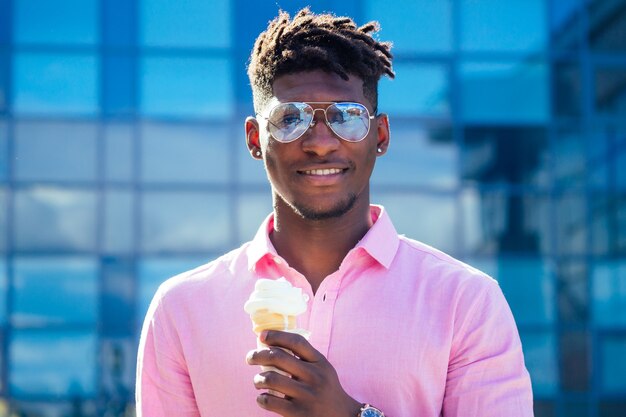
(610, 95)
(566, 23)
(541, 361)
(251, 211)
(56, 22)
(55, 290)
(119, 85)
(510, 92)
(525, 282)
(418, 154)
(505, 222)
(608, 280)
(614, 364)
(185, 221)
(413, 25)
(59, 363)
(54, 219)
(3, 291)
(185, 153)
(567, 86)
(434, 226)
(182, 87)
(118, 152)
(4, 206)
(569, 157)
(5, 21)
(186, 23)
(55, 151)
(118, 296)
(153, 271)
(418, 89)
(55, 84)
(118, 234)
(120, 18)
(569, 228)
(494, 25)
(4, 79)
(119, 356)
(575, 356)
(4, 151)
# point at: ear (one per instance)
(382, 126)
(252, 137)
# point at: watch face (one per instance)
(371, 412)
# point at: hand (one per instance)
(312, 391)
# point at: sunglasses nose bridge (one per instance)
(313, 119)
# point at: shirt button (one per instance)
(306, 298)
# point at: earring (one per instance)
(379, 150)
(257, 153)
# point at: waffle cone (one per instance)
(267, 320)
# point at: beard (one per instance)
(316, 213)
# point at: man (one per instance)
(397, 327)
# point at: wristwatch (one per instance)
(369, 411)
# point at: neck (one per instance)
(316, 248)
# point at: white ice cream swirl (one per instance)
(277, 296)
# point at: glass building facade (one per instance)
(122, 162)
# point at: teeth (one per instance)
(331, 171)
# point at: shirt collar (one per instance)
(380, 242)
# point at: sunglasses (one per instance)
(288, 121)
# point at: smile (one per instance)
(331, 171)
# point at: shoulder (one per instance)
(439, 269)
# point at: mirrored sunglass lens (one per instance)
(349, 120)
(289, 120)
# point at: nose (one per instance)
(320, 139)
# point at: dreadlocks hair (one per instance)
(318, 42)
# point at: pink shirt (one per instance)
(408, 329)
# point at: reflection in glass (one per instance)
(190, 23)
(118, 152)
(505, 222)
(608, 223)
(180, 87)
(567, 89)
(541, 362)
(418, 155)
(58, 363)
(4, 277)
(56, 22)
(509, 92)
(38, 154)
(573, 296)
(118, 234)
(252, 210)
(575, 356)
(494, 25)
(607, 19)
(413, 25)
(4, 208)
(57, 290)
(566, 24)
(185, 153)
(118, 376)
(610, 90)
(4, 75)
(4, 151)
(54, 219)
(418, 90)
(569, 159)
(612, 408)
(613, 364)
(118, 295)
(570, 229)
(435, 223)
(154, 271)
(515, 155)
(608, 280)
(185, 221)
(55, 84)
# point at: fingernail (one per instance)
(263, 336)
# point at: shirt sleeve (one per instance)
(486, 372)
(163, 386)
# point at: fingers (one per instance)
(278, 358)
(292, 341)
(272, 380)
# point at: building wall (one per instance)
(122, 162)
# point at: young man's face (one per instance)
(320, 175)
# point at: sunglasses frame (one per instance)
(313, 121)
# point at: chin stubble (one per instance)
(310, 213)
